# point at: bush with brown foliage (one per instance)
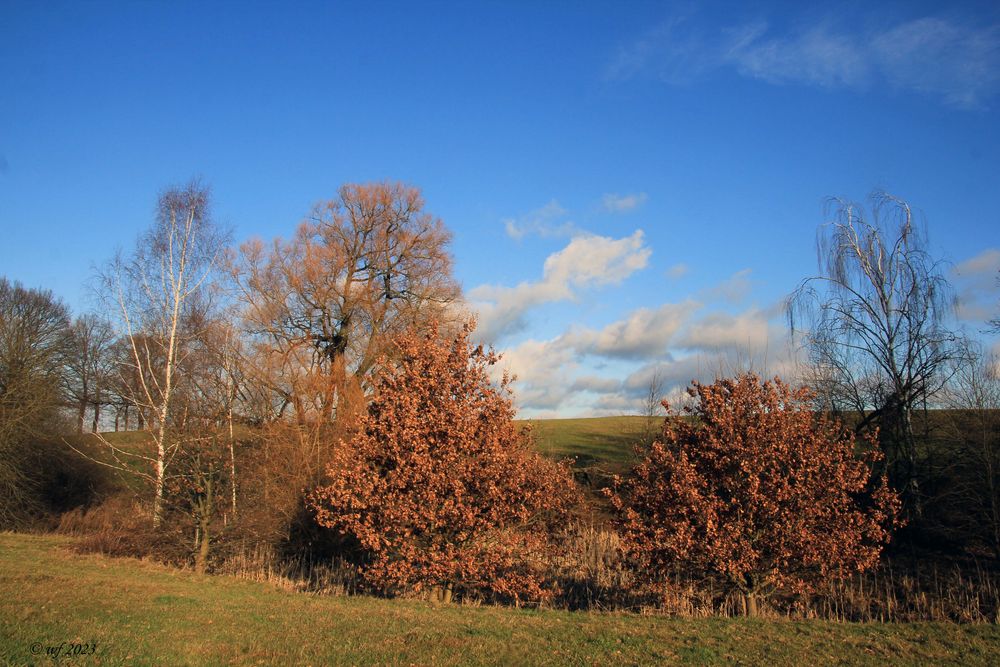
(440, 488)
(756, 490)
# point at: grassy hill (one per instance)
(138, 613)
(597, 440)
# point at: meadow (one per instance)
(133, 612)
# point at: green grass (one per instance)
(139, 613)
(607, 441)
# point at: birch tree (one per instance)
(874, 321)
(152, 290)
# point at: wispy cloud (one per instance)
(733, 289)
(930, 55)
(818, 56)
(615, 203)
(546, 220)
(957, 61)
(976, 280)
(677, 271)
(987, 262)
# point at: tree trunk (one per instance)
(204, 509)
(201, 558)
(910, 448)
(749, 604)
(161, 456)
(97, 415)
(442, 594)
(232, 459)
(81, 412)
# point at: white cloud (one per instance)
(544, 374)
(715, 345)
(612, 405)
(598, 260)
(587, 261)
(672, 375)
(646, 332)
(956, 61)
(607, 369)
(718, 331)
(615, 203)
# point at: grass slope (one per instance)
(597, 440)
(138, 613)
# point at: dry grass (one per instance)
(303, 575)
(146, 614)
(592, 574)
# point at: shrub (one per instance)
(754, 488)
(440, 489)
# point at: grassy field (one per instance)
(607, 441)
(598, 439)
(138, 613)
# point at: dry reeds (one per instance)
(592, 574)
(299, 574)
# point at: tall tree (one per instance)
(875, 325)
(34, 342)
(322, 307)
(154, 290)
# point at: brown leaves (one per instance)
(757, 489)
(440, 487)
(324, 306)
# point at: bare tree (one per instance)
(90, 367)
(874, 321)
(34, 340)
(153, 289)
(652, 407)
(219, 386)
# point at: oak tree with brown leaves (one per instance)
(753, 488)
(440, 488)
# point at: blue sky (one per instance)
(631, 186)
